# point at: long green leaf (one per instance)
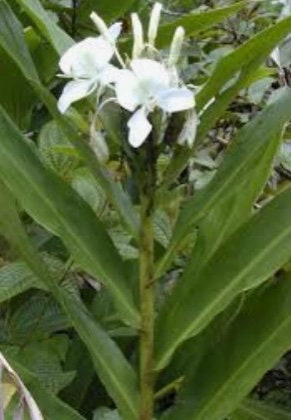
(47, 26)
(196, 22)
(250, 256)
(117, 375)
(257, 410)
(108, 10)
(12, 39)
(231, 74)
(246, 168)
(253, 344)
(57, 207)
(204, 201)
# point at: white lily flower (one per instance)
(87, 63)
(147, 86)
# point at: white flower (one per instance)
(144, 87)
(87, 63)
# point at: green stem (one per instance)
(147, 310)
(147, 181)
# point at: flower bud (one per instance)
(138, 42)
(154, 23)
(176, 46)
(102, 27)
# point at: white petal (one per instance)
(139, 128)
(128, 92)
(115, 30)
(109, 74)
(153, 75)
(176, 99)
(85, 59)
(73, 91)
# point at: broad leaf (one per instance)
(118, 376)
(196, 22)
(250, 256)
(56, 206)
(246, 151)
(230, 369)
(246, 168)
(47, 26)
(251, 409)
(231, 74)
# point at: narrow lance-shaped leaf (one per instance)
(231, 74)
(118, 376)
(190, 215)
(60, 40)
(251, 409)
(196, 22)
(250, 256)
(255, 341)
(57, 207)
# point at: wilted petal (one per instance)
(128, 92)
(139, 128)
(153, 75)
(73, 91)
(86, 58)
(176, 99)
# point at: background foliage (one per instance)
(69, 247)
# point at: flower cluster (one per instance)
(139, 85)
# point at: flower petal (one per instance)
(139, 128)
(73, 91)
(153, 75)
(127, 89)
(85, 59)
(176, 99)
(109, 74)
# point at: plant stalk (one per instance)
(146, 284)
